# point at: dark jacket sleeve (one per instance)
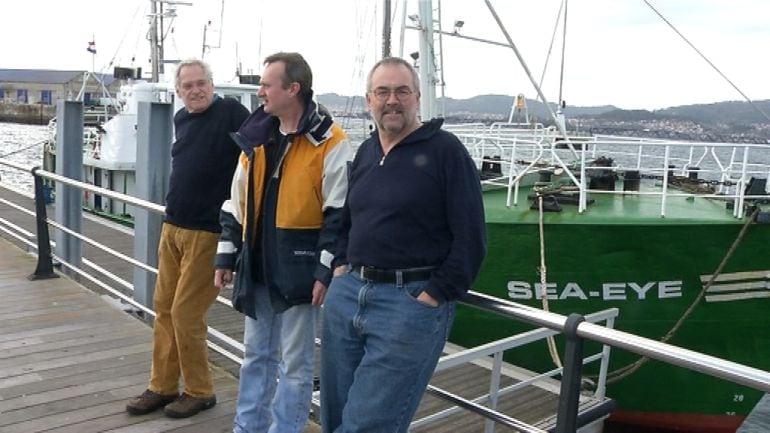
(341, 244)
(334, 189)
(229, 241)
(465, 215)
(326, 245)
(230, 217)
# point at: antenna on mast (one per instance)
(206, 47)
(237, 61)
(156, 36)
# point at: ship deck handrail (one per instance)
(517, 151)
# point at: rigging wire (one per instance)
(550, 46)
(123, 38)
(563, 51)
(749, 100)
(365, 30)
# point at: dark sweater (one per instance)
(419, 206)
(203, 161)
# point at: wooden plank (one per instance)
(54, 413)
(115, 419)
(78, 374)
(63, 339)
(66, 393)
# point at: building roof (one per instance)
(46, 76)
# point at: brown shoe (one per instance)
(148, 402)
(187, 405)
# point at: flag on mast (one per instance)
(91, 47)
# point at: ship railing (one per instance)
(497, 150)
(515, 155)
(92, 143)
(729, 168)
(92, 140)
(509, 156)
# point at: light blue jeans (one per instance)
(277, 346)
(379, 348)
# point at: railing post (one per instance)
(44, 269)
(566, 418)
(153, 168)
(69, 163)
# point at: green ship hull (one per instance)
(621, 253)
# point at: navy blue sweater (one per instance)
(203, 161)
(418, 206)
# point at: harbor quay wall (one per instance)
(34, 114)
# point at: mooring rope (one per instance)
(629, 369)
(23, 149)
(543, 291)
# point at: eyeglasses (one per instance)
(383, 93)
(189, 85)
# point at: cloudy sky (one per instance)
(617, 51)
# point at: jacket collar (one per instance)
(315, 124)
(424, 132)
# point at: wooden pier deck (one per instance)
(69, 360)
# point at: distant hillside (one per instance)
(733, 112)
(730, 121)
(340, 103)
(497, 107)
(484, 105)
(627, 115)
(730, 112)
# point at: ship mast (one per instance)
(386, 29)
(427, 67)
(156, 33)
(154, 48)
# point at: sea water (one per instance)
(22, 144)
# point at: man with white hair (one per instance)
(203, 161)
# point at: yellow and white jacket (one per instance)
(299, 207)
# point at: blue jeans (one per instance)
(379, 348)
(277, 346)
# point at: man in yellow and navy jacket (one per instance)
(278, 231)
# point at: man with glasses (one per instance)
(281, 223)
(413, 241)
